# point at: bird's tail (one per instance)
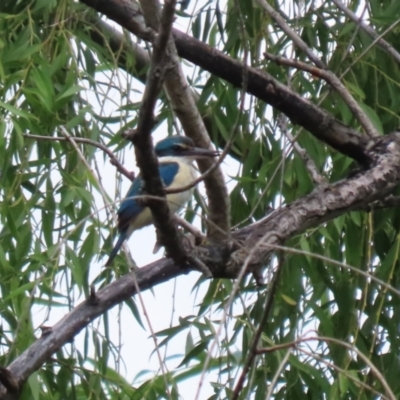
(116, 248)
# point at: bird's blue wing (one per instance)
(127, 212)
(130, 207)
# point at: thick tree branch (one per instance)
(260, 84)
(184, 106)
(183, 101)
(68, 327)
(323, 204)
(263, 86)
(141, 138)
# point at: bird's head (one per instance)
(182, 146)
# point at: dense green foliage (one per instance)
(56, 218)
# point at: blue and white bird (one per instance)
(175, 157)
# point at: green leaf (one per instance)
(194, 353)
(16, 111)
(288, 300)
(373, 117)
(70, 91)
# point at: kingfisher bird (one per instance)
(175, 158)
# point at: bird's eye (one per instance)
(177, 147)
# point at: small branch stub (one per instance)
(9, 381)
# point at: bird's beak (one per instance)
(198, 153)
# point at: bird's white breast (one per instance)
(186, 175)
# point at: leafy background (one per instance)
(57, 206)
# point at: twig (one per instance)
(103, 193)
(310, 165)
(345, 372)
(338, 263)
(389, 202)
(71, 139)
(368, 30)
(239, 276)
(370, 46)
(335, 82)
(353, 36)
(113, 160)
(331, 78)
(271, 290)
(120, 46)
(224, 235)
(291, 33)
(291, 345)
(190, 228)
(277, 373)
(201, 267)
(348, 346)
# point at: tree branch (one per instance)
(269, 300)
(141, 138)
(69, 326)
(113, 160)
(184, 106)
(309, 163)
(323, 204)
